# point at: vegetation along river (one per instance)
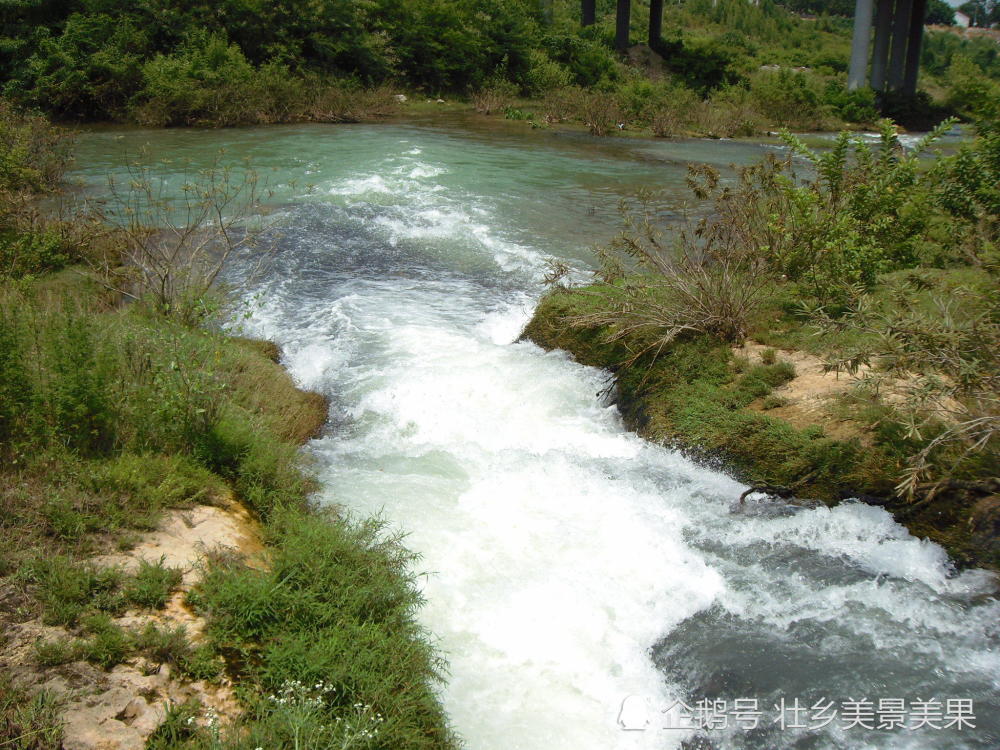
(569, 564)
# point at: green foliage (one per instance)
(939, 13)
(971, 93)
(335, 606)
(202, 81)
(859, 105)
(789, 97)
(940, 50)
(864, 213)
(108, 643)
(29, 720)
(33, 154)
(967, 185)
(152, 584)
(66, 589)
(31, 254)
(169, 63)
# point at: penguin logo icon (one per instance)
(633, 716)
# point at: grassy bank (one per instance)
(880, 267)
(113, 415)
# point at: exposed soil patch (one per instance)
(806, 399)
(120, 708)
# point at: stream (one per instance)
(588, 590)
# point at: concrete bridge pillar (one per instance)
(912, 67)
(622, 21)
(859, 44)
(895, 55)
(880, 49)
(900, 36)
(655, 24)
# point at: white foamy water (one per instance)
(568, 565)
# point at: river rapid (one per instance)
(579, 581)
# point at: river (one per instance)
(579, 580)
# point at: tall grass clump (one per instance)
(28, 721)
(336, 607)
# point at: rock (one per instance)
(401, 98)
(440, 101)
(985, 524)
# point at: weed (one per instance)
(55, 652)
(152, 584)
(28, 721)
(66, 588)
(773, 402)
(109, 644)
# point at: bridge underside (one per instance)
(895, 51)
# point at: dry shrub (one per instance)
(727, 114)
(333, 102)
(175, 246)
(945, 360)
(561, 104)
(495, 96)
(700, 279)
(667, 122)
(600, 112)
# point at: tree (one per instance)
(939, 13)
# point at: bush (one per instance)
(788, 98)
(152, 584)
(685, 283)
(33, 153)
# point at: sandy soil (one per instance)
(119, 709)
(809, 396)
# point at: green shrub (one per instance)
(108, 643)
(789, 98)
(205, 79)
(56, 652)
(33, 153)
(67, 588)
(152, 584)
(335, 607)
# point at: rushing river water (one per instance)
(578, 578)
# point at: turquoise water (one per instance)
(580, 581)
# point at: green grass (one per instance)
(152, 585)
(29, 720)
(336, 606)
(115, 416)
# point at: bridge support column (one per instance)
(655, 24)
(913, 47)
(880, 49)
(900, 36)
(860, 43)
(622, 22)
(588, 12)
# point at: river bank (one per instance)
(772, 416)
(163, 571)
